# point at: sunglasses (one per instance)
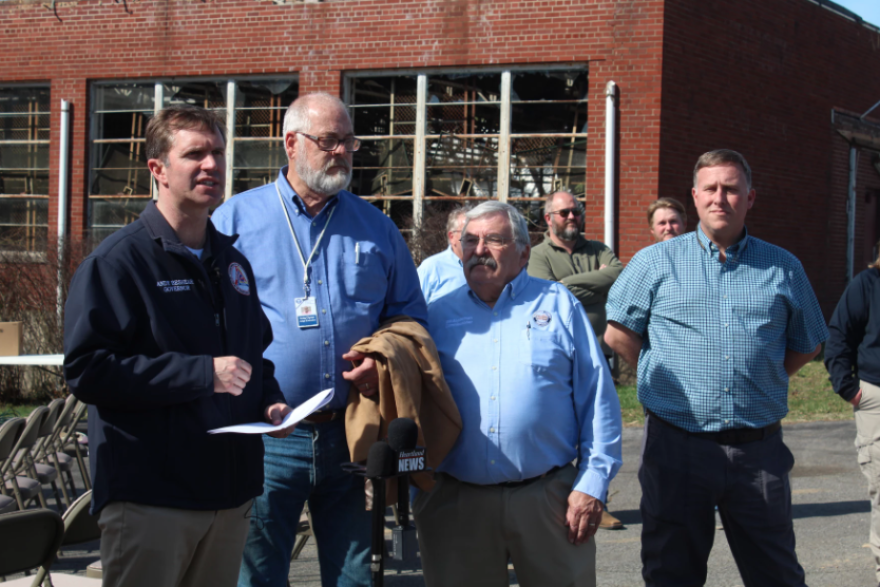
(566, 212)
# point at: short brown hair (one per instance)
(723, 157)
(161, 128)
(667, 203)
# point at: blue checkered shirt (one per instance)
(714, 334)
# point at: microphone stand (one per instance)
(377, 558)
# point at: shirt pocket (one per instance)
(363, 272)
(541, 349)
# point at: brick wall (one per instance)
(761, 77)
(98, 40)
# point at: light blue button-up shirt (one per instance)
(714, 334)
(532, 386)
(361, 275)
(440, 274)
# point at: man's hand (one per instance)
(857, 399)
(231, 374)
(583, 517)
(274, 415)
(365, 376)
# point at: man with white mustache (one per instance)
(534, 393)
(330, 267)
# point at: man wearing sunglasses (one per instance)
(330, 266)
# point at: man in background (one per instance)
(442, 273)
(666, 218)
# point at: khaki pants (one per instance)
(868, 444)
(467, 533)
(149, 546)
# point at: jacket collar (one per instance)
(161, 232)
(580, 242)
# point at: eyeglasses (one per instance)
(351, 144)
(493, 241)
(566, 212)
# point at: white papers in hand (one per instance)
(296, 415)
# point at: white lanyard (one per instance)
(305, 262)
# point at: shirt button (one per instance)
(513, 296)
(313, 223)
(491, 430)
(492, 397)
(726, 357)
(725, 324)
(726, 389)
(320, 282)
(491, 462)
(326, 376)
(323, 311)
(727, 421)
(327, 343)
(724, 297)
(494, 340)
(495, 313)
(494, 368)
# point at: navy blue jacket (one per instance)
(852, 352)
(144, 320)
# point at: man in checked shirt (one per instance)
(717, 321)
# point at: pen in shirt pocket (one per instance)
(357, 253)
(529, 330)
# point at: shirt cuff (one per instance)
(591, 483)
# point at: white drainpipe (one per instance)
(64, 157)
(610, 160)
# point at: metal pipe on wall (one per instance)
(851, 212)
(610, 160)
(63, 172)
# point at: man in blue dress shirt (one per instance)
(330, 268)
(535, 393)
(441, 273)
(717, 321)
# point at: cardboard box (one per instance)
(11, 337)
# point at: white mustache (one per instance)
(487, 261)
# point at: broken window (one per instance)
(120, 184)
(24, 168)
(510, 135)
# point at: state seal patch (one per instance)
(239, 279)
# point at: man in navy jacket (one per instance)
(164, 337)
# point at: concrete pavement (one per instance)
(830, 509)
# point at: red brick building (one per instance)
(480, 98)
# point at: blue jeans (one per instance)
(306, 466)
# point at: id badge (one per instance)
(306, 312)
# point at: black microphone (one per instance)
(403, 434)
(380, 465)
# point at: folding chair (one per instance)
(70, 443)
(52, 450)
(24, 488)
(9, 432)
(28, 539)
(25, 465)
(41, 454)
(78, 527)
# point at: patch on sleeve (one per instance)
(239, 279)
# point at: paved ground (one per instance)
(830, 510)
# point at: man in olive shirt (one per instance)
(587, 268)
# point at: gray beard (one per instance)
(569, 233)
(319, 181)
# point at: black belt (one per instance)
(324, 416)
(732, 436)
(509, 484)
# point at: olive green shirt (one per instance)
(580, 273)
